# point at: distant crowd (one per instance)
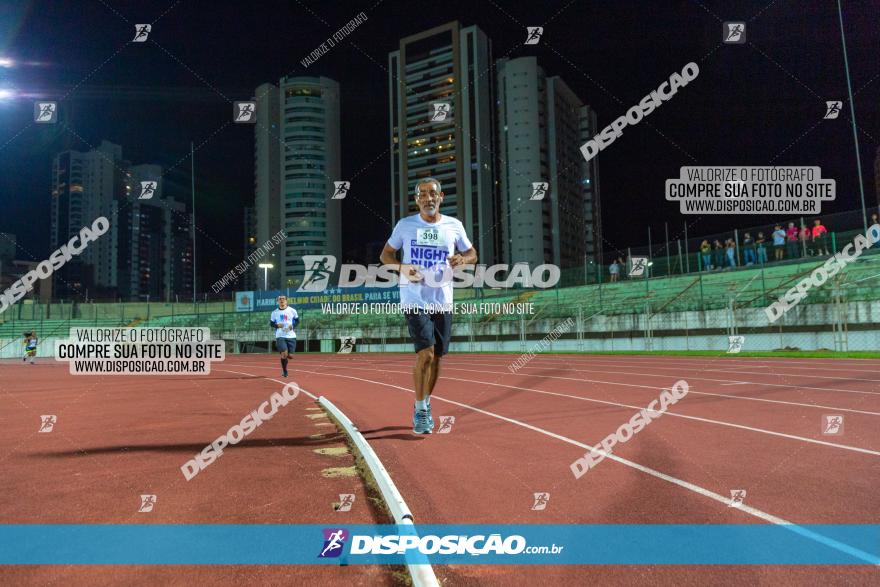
(782, 243)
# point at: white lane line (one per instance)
(654, 388)
(598, 401)
(556, 360)
(678, 365)
(696, 378)
(854, 552)
(314, 397)
(601, 361)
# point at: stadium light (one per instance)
(6, 62)
(265, 267)
(6, 94)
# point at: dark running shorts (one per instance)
(285, 344)
(430, 330)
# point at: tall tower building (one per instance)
(84, 187)
(145, 252)
(154, 251)
(540, 127)
(449, 66)
(297, 161)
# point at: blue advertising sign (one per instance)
(250, 301)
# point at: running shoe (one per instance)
(421, 423)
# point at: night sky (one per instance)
(752, 104)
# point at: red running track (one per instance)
(752, 424)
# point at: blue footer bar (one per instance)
(530, 544)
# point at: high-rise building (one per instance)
(145, 252)
(594, 238)
(84, 187)
(877, 178)
(541, 125)
(154, 251)
(297, 161)
(442, 126)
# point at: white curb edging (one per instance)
(422, 574)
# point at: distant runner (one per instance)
(284, 319)
(30, 347)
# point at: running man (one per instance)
(30, 346)
(431, 243)
(283, 320)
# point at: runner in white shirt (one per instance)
(283, 320)
(431, 243)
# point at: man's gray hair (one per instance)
(427, 180)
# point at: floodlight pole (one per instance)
(192, 157)
(852, 111)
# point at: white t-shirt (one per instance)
(428, 245)
(285, 318)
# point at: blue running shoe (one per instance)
(421, 424)
(430, 417)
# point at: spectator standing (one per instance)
(778, 243)
(791, 241)
(731, 253)
(748, 249)
(614, 270)
(820, 238)
(706, 253)
(719, 255)
(762, 248)
(806, 245)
